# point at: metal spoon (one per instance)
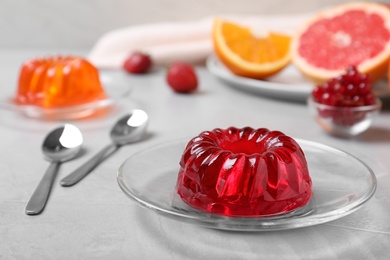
(128, 129)
(60, 145)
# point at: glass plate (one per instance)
(341, 184)
(114, 84)
(288, 84)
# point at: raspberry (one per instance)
(137, 63)
(182, 78)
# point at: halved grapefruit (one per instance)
(247, 54)
(354, 34)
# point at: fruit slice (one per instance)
(248, 55)
(354, 34)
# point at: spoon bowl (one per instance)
(60, 145)
(128, 129)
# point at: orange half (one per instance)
(247, 54)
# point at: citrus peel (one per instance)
(247, 54)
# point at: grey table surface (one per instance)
(95, 220)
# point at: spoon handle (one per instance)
(87, 167)
(38, 200)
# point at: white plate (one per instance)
(289, 84)
(114, 84)
(341, 185)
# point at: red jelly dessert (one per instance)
(244, 172)
(58, 82)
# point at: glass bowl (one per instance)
(344, 121)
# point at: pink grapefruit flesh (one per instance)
(355, 34)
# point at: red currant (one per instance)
(351, 89)
(347, 90)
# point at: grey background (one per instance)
(80, 23)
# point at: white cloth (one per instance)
(176, 41)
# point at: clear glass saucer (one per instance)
(341, 184)
(114, 85)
